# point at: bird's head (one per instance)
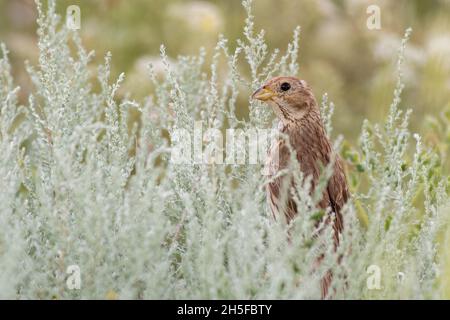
(290, 97)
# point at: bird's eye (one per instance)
(285, 86)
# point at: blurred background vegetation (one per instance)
(338, 53)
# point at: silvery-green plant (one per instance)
(84, 185)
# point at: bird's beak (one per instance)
(263, 94)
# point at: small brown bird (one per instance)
(294, 104)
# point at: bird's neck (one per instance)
(310, 120)
(285, 115)
(307, 132)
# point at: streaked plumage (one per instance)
(294, 104)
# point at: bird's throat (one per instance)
(285, 115)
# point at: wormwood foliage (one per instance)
(83, 184)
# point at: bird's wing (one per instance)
(288, 207)
(278, 159)
(338, 192)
